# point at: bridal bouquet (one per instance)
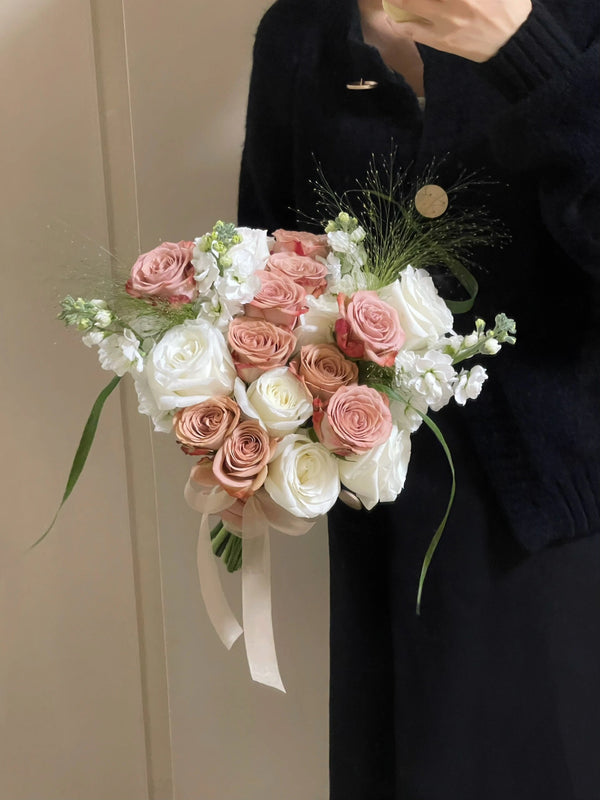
(293, 370)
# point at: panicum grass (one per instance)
(397, 234)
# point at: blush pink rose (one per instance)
(240, 465)
(301, 242)
(323, 368)
(202, 428)
(305, 271)
(369, 328)
(357, 419)
(257, 345)
(279, 300)
(165, 273)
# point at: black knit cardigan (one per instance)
(529, 120)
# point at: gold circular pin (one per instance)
(431, 201)
(361, 85)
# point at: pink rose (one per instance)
(369, 328)
(357, 419)
(301, 242)
(240, 465)
(324, 369)
(166, 272)
(305, 271)
(279, 300)
(202, 428)
(257, 345)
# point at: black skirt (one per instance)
(493, 692)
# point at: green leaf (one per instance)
(85, 445)
(440, 529)
(438, 534)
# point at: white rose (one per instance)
(316, 326)
(469, 383)
(206, 270)
(303, 477)
(424, 316)
(190, 364)
(163, 420)
(121, 353)
(277, 399)
(378, 476)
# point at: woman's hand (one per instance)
(473, 29)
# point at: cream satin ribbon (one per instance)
(261, 514)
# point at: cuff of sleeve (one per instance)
(540, 49)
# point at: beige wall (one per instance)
(124, 126)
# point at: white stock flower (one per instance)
(424, 316)
(219, 312)
(491, 346)
(378, 476)
(468, 384)
(429, 375)
(277, 399)
(249, 255)
(103, 318)
(190, 364)
(206, 270)
(316, 326)
(303, 477)
(351, 252)
(92, 338)
(405, 415)
(121, 353)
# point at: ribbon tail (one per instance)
(258, 620)
(217, 607)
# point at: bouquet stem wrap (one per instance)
(261, 514)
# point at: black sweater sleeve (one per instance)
(551, 125)
(266, 186)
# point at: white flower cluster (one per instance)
(225, 276)
(348, 255)
(426, 377)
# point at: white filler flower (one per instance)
(429, 375)
(303, 477)
(469, 383)
(121, 353)
(378, 476)
(424, 316)
(277, 399)
(190, 364)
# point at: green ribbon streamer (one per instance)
(85, 445)
(438, 534)
(440, 529)
(469, 283)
